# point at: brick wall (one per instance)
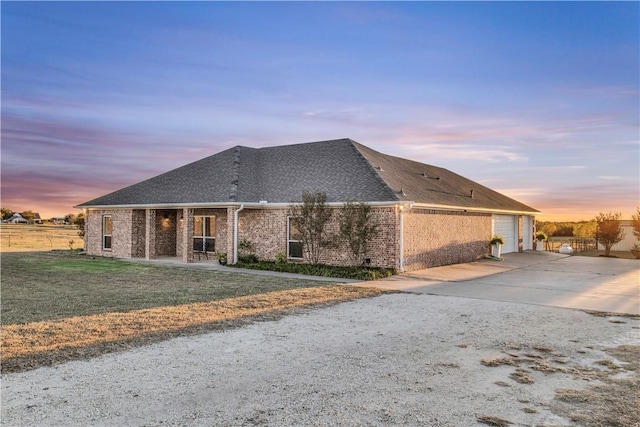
(266, 229)
(121, 233)
(166, 229)
(433, 238)
(138, 219)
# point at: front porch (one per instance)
(188, 234)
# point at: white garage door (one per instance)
(527, 233)
(507, 226)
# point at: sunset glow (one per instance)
(539, 101)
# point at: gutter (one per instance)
(251, 205)
(235, 233)
(254, 205)
(478, 210)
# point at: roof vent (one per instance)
(437, 178)
(471, 195)
(380, 168)
(402, 192)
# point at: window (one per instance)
(294, 241)
(106, 232)
(204, 234)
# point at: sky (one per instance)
(537, 100)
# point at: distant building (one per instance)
(16, 218)
(59, 220)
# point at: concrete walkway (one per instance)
(540, 278)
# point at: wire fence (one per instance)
(23, 237)
(553, 244)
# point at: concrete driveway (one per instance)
(540, 278)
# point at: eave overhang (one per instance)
(267, 205)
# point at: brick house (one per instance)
(428, 216)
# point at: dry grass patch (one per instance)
(26, 346)
(610, 314)
(448, 364)
(522, 376)
(497, 361)
(493, 421)
(613, 404)
(630, 354)
(26, 237)
(60, 306)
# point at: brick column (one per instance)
(229, 242)
(150, 234)
(398, 248)
(187, 235)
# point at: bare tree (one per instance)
(310, 218)
(608, 231)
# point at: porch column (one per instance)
(187, 235)
(520, 233)
(230, 230)
(150, 234)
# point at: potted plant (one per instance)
(496, 243)
(222, 258)
(540, 237)
(635, 250)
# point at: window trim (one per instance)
(203, 236)
(105, 235)
(289, 241)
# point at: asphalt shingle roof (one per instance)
(343, 169)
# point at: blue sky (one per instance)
(537, 100)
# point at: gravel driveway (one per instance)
(404, 359)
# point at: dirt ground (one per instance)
(396, 359)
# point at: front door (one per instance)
(204, 234)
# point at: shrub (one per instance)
(357, 273)
(250, 258)
(497, 239)
(357, 229)
(541, 236)
(281, 258)
(246, 252)
(310, 218)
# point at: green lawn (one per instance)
(39, 286)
